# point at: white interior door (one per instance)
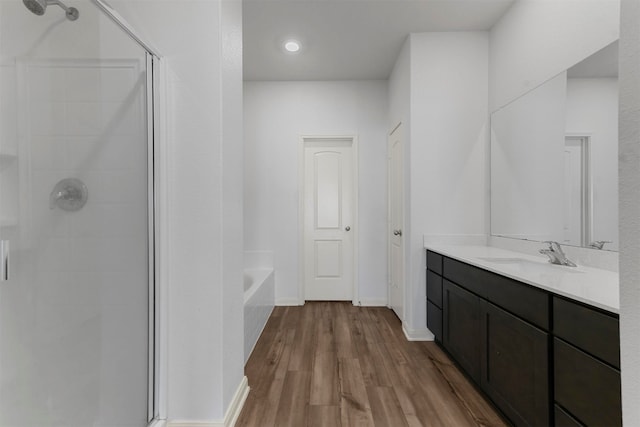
(576, 218)
(328, 220)
(396, 211)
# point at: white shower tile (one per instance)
(84, 118)
(116, 186)
(120, 84)
(48, 152)
(46, 84)
(53, 254)
(107, 152)
(110, 220)
(82, 84)
(47, 118)
(108, 254)
(123, 118)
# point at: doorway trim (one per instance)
(584, 139)
(304, 141)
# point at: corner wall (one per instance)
(630, 210)
(444, 93)
(202, 47)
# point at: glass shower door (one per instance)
(74, 221)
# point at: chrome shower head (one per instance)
(38, 7)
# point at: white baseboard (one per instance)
(237, 403)
(422, 334)
(372, 302)
(233, 412)
(288, 302)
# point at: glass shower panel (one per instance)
(74, 192)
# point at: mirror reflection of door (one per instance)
(396, 200)
(577, 190)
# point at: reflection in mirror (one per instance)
(554, 158)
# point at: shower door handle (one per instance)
(4, 260)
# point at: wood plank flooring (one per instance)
(330, 364)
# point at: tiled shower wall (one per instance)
(77, 339)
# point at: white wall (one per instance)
(592, 109)
(276, 114)
(630, 209)
(444, 78)
(400, 114)
(535, 40)
(201, 44)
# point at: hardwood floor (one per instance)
(330, 364)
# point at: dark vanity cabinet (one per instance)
(541, 359)
(586, 355)
(434, 294)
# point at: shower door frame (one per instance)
(157, 207)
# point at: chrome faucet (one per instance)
(556, 255)
(598, 244)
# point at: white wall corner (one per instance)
(233, 412)
(422, 334)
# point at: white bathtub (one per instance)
(259, 300)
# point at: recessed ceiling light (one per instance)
(292, 46)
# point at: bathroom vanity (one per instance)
(540, 340)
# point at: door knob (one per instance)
(397, 232)
(347, 228)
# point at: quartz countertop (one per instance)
(593, 286)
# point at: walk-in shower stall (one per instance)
(76, 218)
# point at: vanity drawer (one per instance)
(592, 331)
(434, 262)
(586, 387)
(434, 320)
(525, 301)
(434, 288)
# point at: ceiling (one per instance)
(348, 39)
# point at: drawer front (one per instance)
(592, 331)
(586, 387)
(434, 288)
(434, 320)
(525, 301)
(563, 419)
(434, 262)
(465, 275)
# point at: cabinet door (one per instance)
(515, 368)
(461, 324)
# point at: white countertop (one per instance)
(593, 286)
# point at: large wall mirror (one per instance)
(554, 158)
